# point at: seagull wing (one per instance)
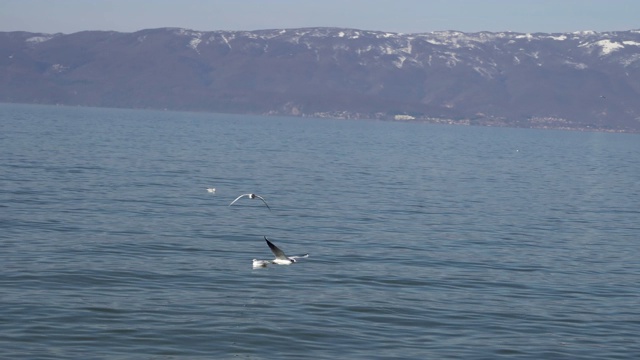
(238, 198)
(261, 198)
(276, 250)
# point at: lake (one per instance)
(424, 241)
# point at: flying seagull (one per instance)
(251, 196)
(281, 257)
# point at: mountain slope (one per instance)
(583, 80)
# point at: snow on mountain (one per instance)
(39, 39)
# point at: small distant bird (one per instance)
(211, 190)
(603, 97)
(251, 196)
(281, 257)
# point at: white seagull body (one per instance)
(281, 257)
(251, 196)
(211, 190)
(260, 263)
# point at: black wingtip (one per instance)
(271, 245)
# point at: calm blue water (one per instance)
(425, 242)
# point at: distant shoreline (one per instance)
(539, 124)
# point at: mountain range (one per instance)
(581, 80)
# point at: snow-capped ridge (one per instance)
(329, 70)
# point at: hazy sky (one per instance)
(407, 16)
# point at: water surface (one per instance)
(425, 241)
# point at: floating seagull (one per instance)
(211, 190)
(260, 263)
(281, 257)
(251, 196)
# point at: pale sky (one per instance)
(405, 16)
